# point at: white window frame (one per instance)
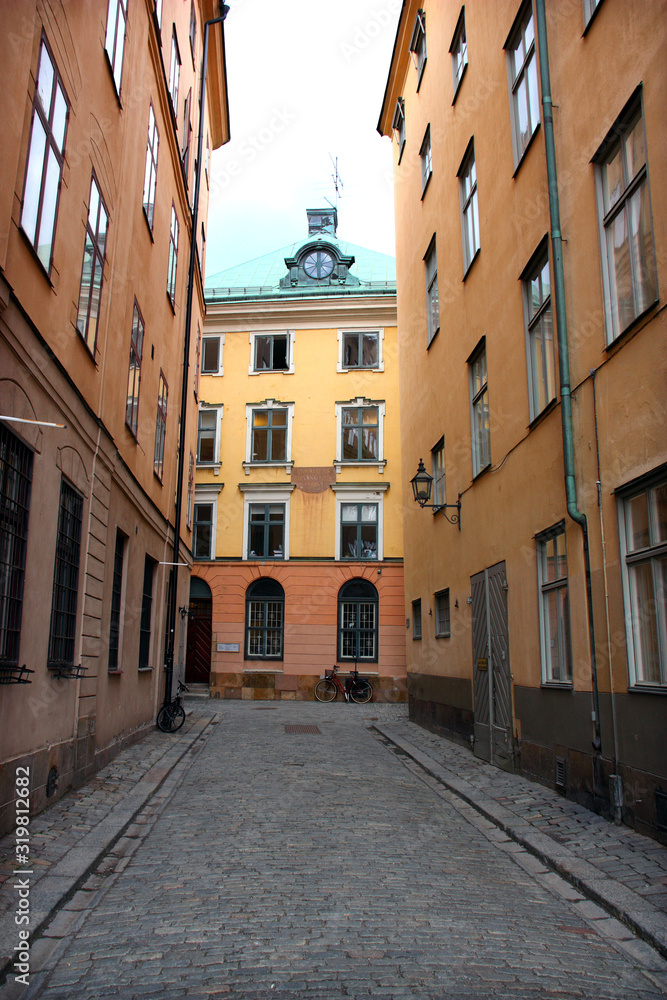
(632, 114)
(150, 173)
(417, 620)
(291, 339)
(459, 53)
(263, 493)
(360, 401)
(398, 127)
(476, 397)
(342, 332)
(536, 326)
(174, 73)
(467, 175)
(545, 588)
(268, 404)
(432, 295)
(654, 551)
(591, 8)
(216, 463)
(426, 159)
(438, 471)
(360, 493)
(206, 493)
(524, 80)
(114, 42)
(441, 600)
(221, 368)
(418, 45)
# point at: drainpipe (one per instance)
(169, 657)
(563, 348)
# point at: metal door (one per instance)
(491, 667)
(200, 634)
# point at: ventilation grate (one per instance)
(295, 730)
(560, 772)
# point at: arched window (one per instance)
(265, 616)
(358, 621)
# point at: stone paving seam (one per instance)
(629, 907)
(57, 885)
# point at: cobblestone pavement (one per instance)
(285, 862)
(637, 862)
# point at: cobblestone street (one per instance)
(294, 852)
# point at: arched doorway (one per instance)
(200, 633)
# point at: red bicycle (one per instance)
(359, 689)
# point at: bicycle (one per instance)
(359, 689)
(171, 716)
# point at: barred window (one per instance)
(265, 608)
(146, 614)
(62, 633)
(116, 599)
(358, 621)
(15, 486)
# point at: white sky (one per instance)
(306, 79)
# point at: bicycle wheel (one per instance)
(361, 691)
(325, 690)
(170, 718)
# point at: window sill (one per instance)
(339, 464)
(482, 472)
(557, 686)
(632, 328)
(443, 635)
(591, 19)
(648, 689)
(214, 374)
(458, 85)
(113, 82)
(211, 466)
(542, 414)
(347, 369)
(271, 371)
(425, 187)
(114, 673)
(524, 152)
(468, 269)
(46, 272)
(171, 301)
(145, 670)
(286, 465)
(150, 228)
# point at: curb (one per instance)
(632, 909)
(57, 886)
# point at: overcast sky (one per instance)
(306, 80)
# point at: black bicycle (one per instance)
(359, 689)
(171, 716)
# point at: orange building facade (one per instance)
(98, 173)
(531, 197)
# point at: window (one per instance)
(479, 412)
(160, 426)
(442, 618)
(211, 359)
(266, 531)
(193, 29)
(539, 335)
(265, 612)
(50, 114)
(191, 490)
(197, 362)
(15, 486)
(115, 39)
(202, 250)
(432, 299)
(150, 176)
(398, 125)
(269, 435)
(270, 352)
(187, 133)
(358, 621)
(146, 615)
(360, 349)
(417, 619)
(554, 607)
(426, 159)
(174, 74)
(116, 601)
(134, 375)
(158, 12)
(207, 159)
(360, 426)
(626, 232)
(522, 77)
(590, 8)
(469, 208)
(92, 272)
(459, 52)
(438, 473)
(359, 531)
(643, 523)
(202, 531)
(208, 436)
(173, 257)
(62, 631)
(418, 45)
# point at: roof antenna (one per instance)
(338, 182)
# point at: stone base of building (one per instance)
(268, 686)
(58, 769)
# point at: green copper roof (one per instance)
(261, 277)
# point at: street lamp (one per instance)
(422, 484)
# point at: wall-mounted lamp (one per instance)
(422, 485)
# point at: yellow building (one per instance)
(531, 247)
(99, 141)
(297, 512)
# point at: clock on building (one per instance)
(318, 264)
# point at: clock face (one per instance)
(318, 264)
